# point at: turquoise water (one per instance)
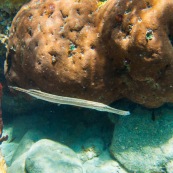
(97, 141)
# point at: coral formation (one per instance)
(101, 53)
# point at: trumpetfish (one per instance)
(70, 101)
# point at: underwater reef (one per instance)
(100, 51)
(79, 49)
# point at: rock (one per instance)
(169, 167)
(18, 165)
(88, 132)
(8, 147)
(19, 156)
(103, 164)
(27, 141)
(121, 49)
(109, 166)
(144, 143)
(49, 156)
(8, 150)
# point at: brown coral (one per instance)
(73, 48)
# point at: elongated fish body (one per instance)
(70, 101)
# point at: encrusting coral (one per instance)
(102, 53)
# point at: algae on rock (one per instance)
(12, 5)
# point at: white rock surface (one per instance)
(107, 167)
(103, 164)
(18, 166)
(8, 149)
(19, 156)
(47, 156)
(27, 141)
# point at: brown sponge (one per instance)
(76, 48)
